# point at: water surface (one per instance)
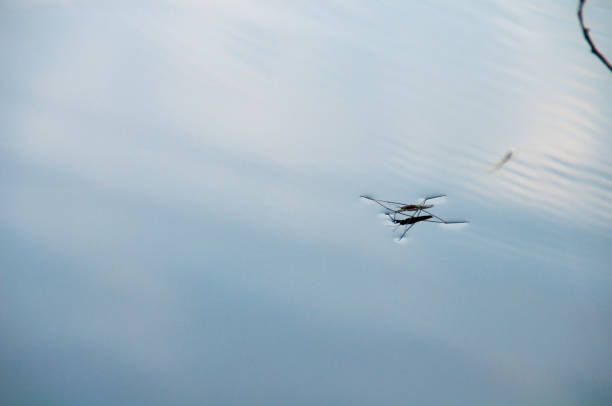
(180, 219)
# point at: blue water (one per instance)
(180, 220)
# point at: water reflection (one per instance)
(180, 217)
(557, 125)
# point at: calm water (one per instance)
(180, 219)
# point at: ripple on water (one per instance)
(547, 104)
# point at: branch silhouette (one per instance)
(587, 36)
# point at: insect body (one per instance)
(414, 207)
(398, 213)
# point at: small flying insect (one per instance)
(407, 215)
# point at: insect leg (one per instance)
(432, 197)
(439, 218)
(405, 231)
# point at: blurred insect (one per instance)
(407, 215)
(507, 157)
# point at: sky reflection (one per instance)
(181, 221)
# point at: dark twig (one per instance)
(587, 36)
